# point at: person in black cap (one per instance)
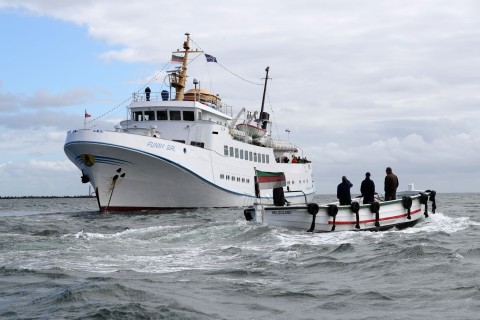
(343, 192)
(368, 189)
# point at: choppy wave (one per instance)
(211, 264)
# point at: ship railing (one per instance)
(270, 201)
(153, 96)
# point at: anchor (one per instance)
(114, 182)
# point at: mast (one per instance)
(264, 90)
(178, 79)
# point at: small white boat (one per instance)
(251, 130)
(403, 212)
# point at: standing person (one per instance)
(368, 189)
(147, 93)
(391, 185)
(343, 192)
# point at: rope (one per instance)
(236, 75)
(222, 66)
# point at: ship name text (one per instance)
(282, 212)
(163, 146)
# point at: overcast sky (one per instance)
(361, 85)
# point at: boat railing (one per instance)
(152, 96)
(298, 191)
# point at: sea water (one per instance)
(61, 259)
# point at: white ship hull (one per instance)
(143, 172)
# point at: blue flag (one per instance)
(210, 58)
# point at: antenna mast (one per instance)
(264, 90)
(178, 79)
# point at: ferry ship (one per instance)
(185, 149)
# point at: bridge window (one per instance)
(138, 116)
(162, 115)
(149, 115)
(188, 116)
(175, 115)
(225, 150)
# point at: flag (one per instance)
(210, 58)
(270, 180)
(177, 58)
(87, 115)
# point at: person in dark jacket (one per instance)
(343, 192)
(391, 185)
(368, 189)
(147, 94)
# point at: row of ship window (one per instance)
(173, 115)
(244, 154)
(246, 180)
(233, 178)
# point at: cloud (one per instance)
(44, 99)
(8, 101)
(361, 85)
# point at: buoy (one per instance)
(313, 208)
(407, 204)
(375, 208)
(332, 210)
(355, 207)
(248, 214)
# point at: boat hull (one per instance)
(390, 214)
